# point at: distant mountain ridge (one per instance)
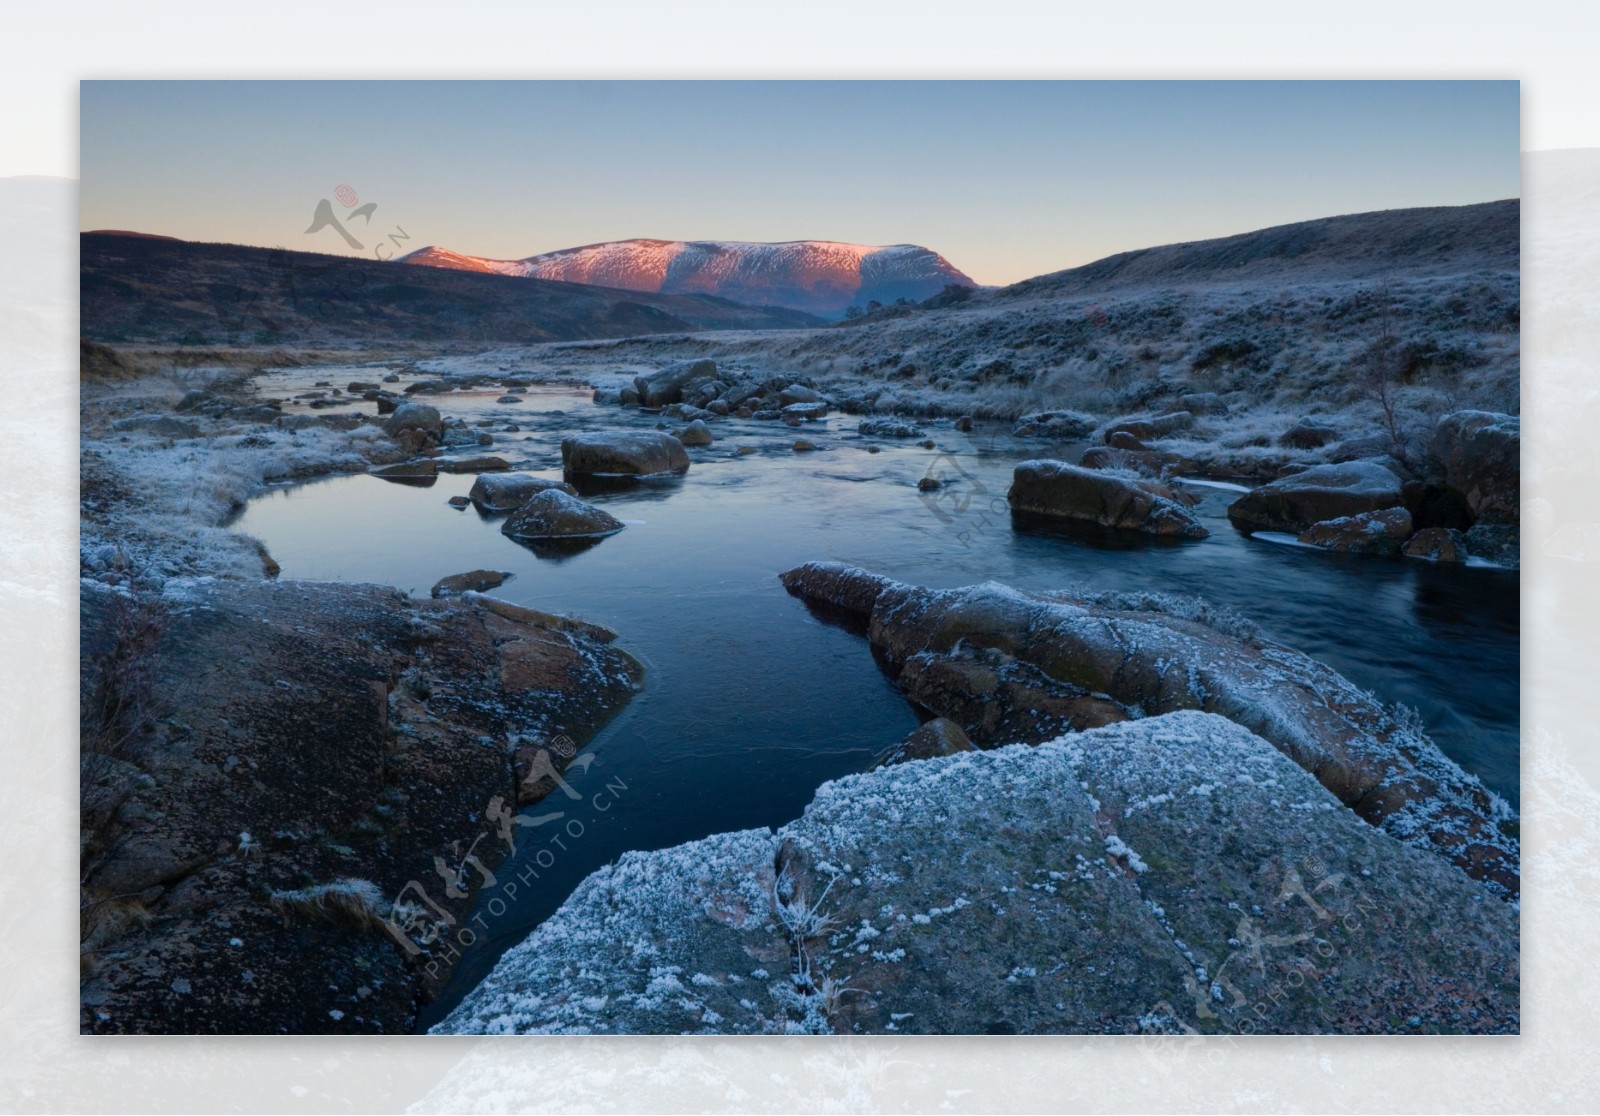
(142, 288)
(822, 277)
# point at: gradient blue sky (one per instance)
(1006, 179)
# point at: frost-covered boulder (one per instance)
(888, 428)
(1295, 502)
(666, 386)
(1479, 452)
(162, 426)
(1137, 878)
(1064, 491)
(1151, 426)
(798, 393)
(623, 453)
(1151, 463)
(1054, 424)
(553, 514)
(1011, 666)
(811, 412)
(1308, 434)
(1379, 532)
(413, 416)
(496, 493)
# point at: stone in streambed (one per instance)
(553, 514)
(1054, 488)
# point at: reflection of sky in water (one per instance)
(749, 702)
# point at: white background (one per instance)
(45, 1066)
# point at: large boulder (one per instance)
(496, 493)
(1308, 434)
(553, 514)
(1064, 491)
(623, 454)
(1379, 532)
(798, 393)
(414, 416)
(811, 412)
(1479, 452)
(1295, 502)
(1139, 878)
(888, 428)
(1011, 666)
(1151, 426)
(307, 750)
(1055, 424)
(666, 386)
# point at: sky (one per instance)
(1006, 179)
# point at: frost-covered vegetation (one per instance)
(158, 490)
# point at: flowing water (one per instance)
(750, 702)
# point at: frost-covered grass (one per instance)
(1283, 350)
(349, 901)
(156, 507)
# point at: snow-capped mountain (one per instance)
(818, 276)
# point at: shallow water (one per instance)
(750, 702)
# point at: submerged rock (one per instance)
(1379, 532)
(1295, 502)
(553, 514)
(1010, 666)
(623, 453)
(1055, 424)
(1134, 879)
(1064, 491)
(493, 493)
(473, 581)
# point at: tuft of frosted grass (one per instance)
(348, 900)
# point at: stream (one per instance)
(749, 701)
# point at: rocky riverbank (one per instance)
(291, 791)
(1136, 878)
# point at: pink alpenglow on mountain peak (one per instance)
(821, 277)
